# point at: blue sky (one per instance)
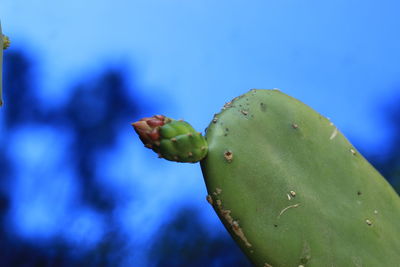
(340, 57)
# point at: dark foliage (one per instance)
(96, 112)
(185, 241)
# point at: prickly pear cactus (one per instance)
(291, 189)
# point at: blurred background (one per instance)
(77, 188)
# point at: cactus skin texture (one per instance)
(171, 139)
(291, 189)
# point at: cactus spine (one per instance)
(291, 189)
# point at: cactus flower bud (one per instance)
(148, 130)
(171, 139)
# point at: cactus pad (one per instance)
(291, 189)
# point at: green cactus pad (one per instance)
(291, 189)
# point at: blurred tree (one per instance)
(95, 113)
(20, 100)
(187, 241)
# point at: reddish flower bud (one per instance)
(148, 129)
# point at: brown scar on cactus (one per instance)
(239, 232)
(210, 200)
(295, 126)
(215, 120)
(217, 191)
(227, 105)
(368, 222)
(226, 214)
(228, 155)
